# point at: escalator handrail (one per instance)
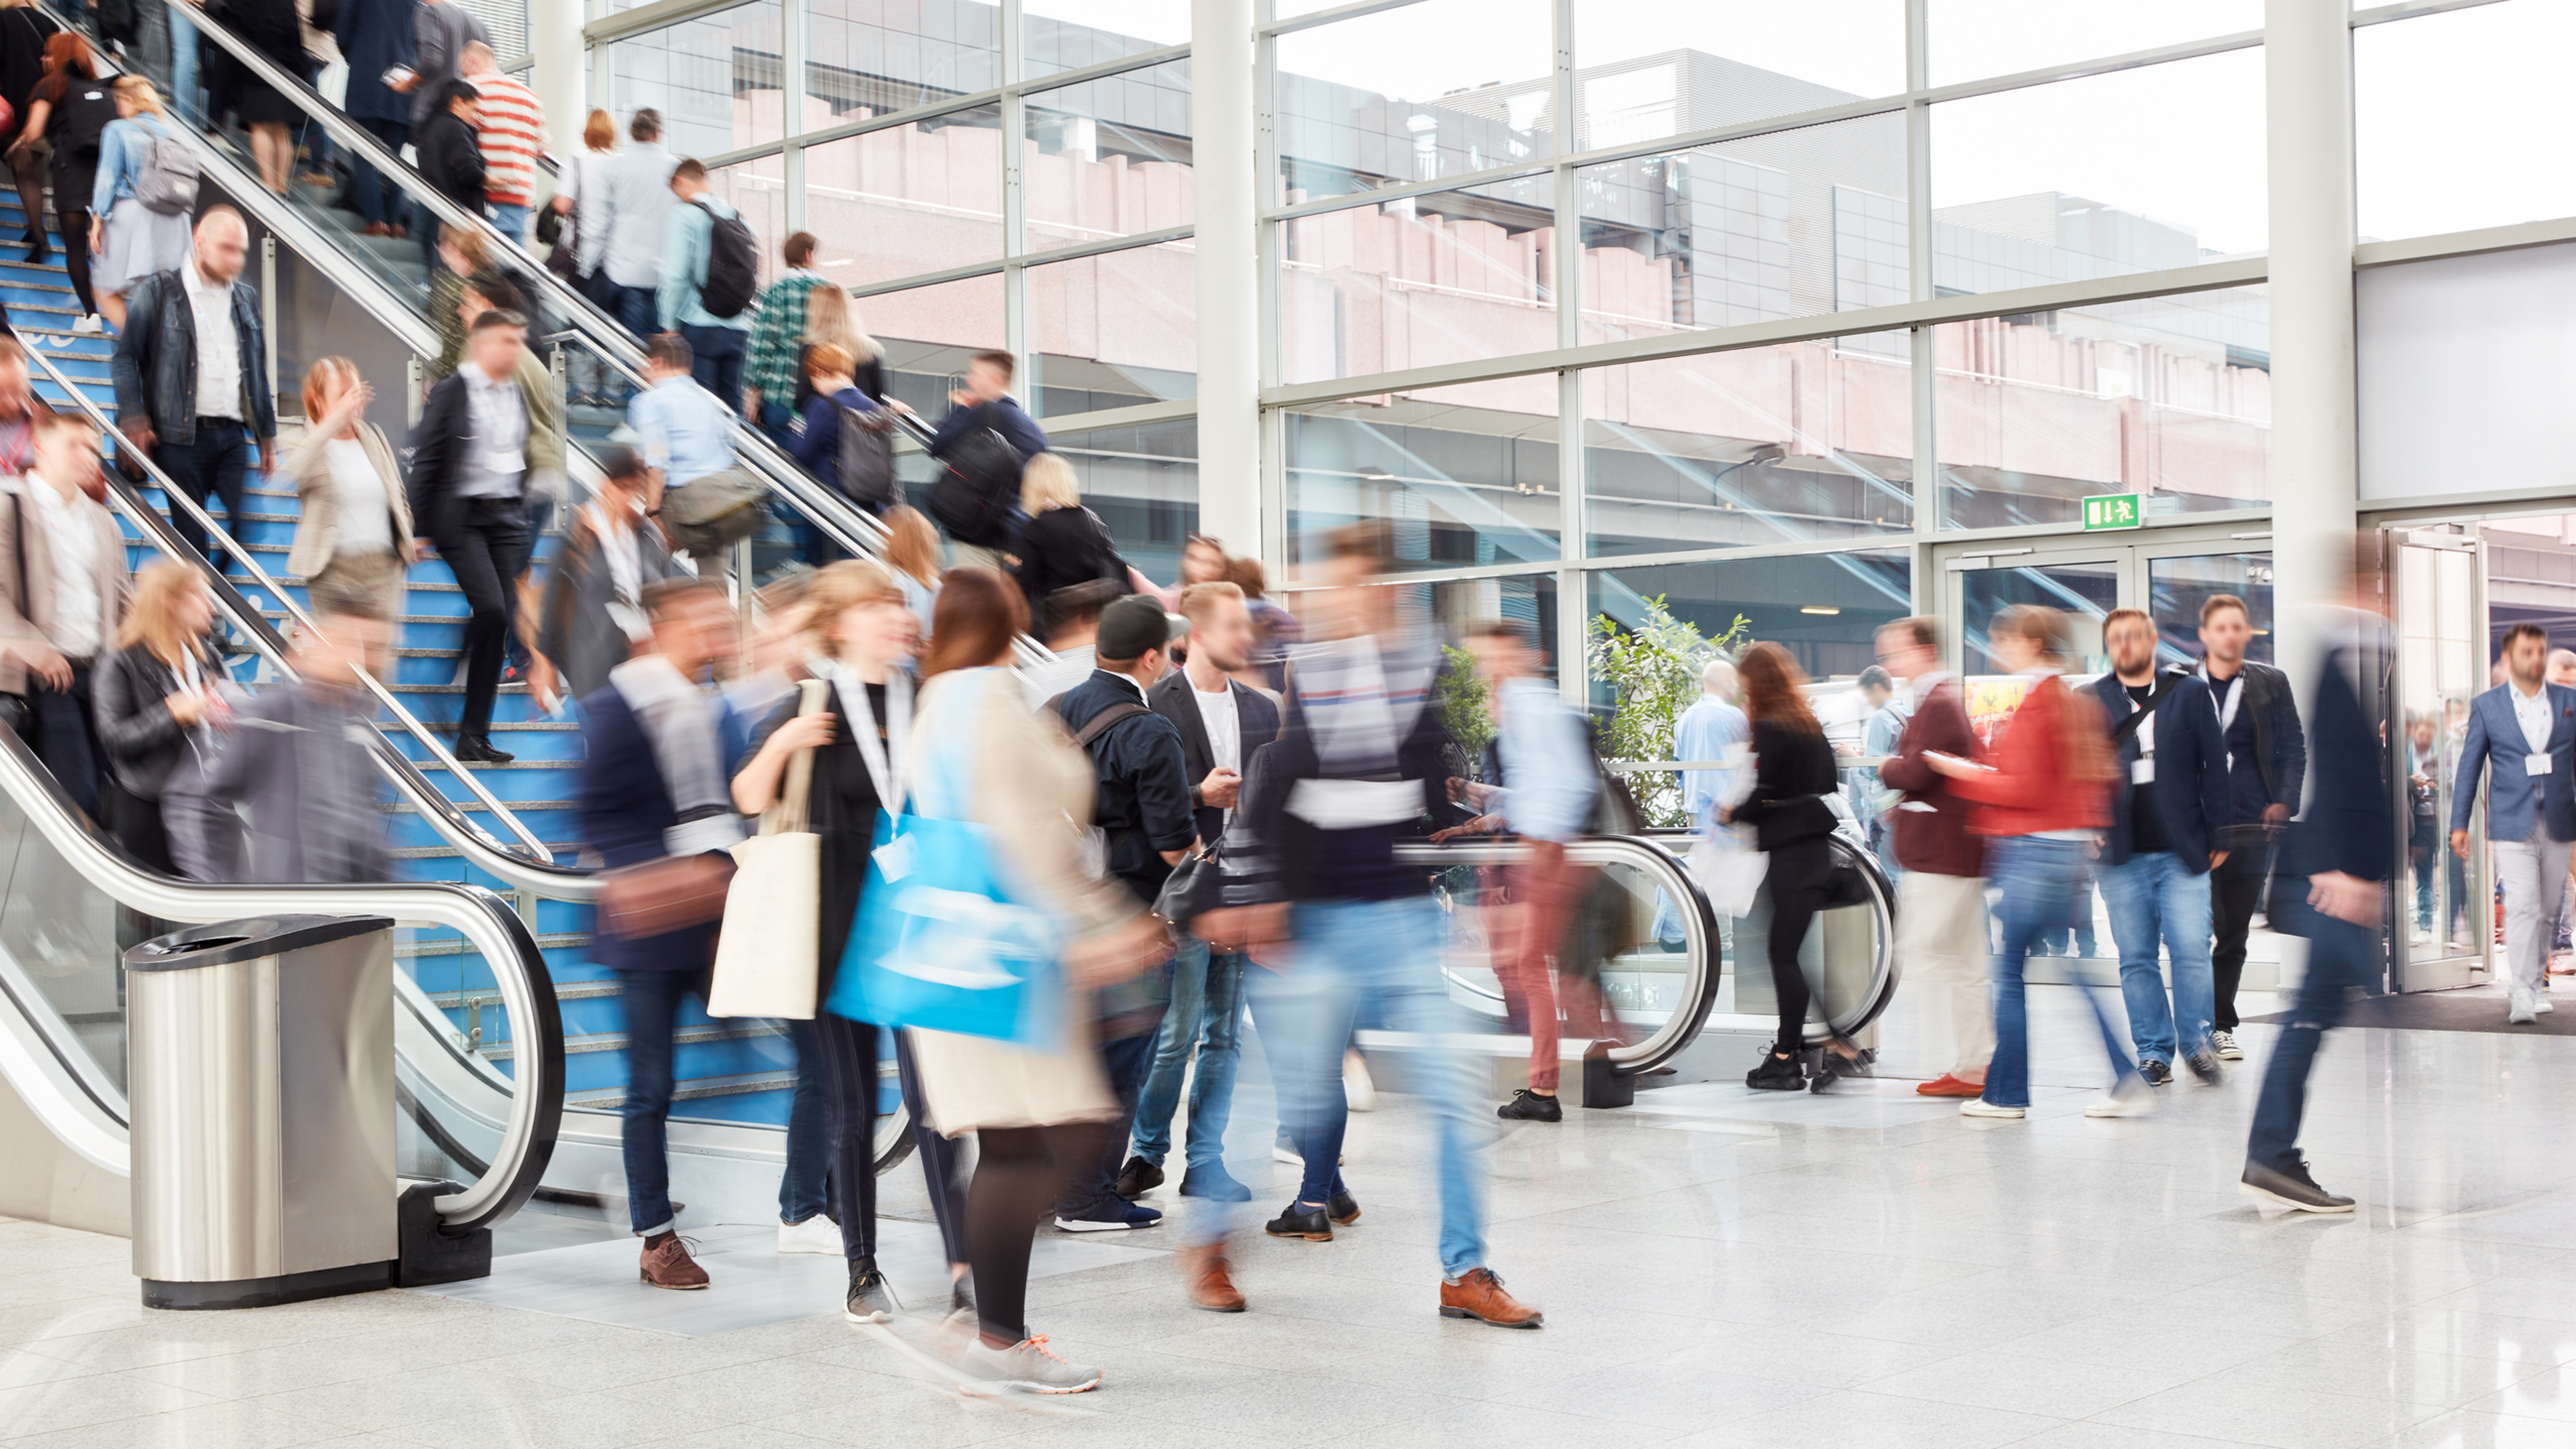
(1704, 952)
(1888, 969)
(482, 918)
(263, 636)
(849, 526)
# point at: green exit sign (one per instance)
(2113, 510)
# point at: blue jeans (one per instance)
(1382, 957)
(718, 354)
(633, 307)
(2341, 956)
(2038, 879)
(512, 221)
(801, 1187)
(652, 1004)
(1207, 1013)
(2156, 895)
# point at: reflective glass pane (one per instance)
(2062, 182)
(1811, 440)
(714, 79)
(2457, 121)
(867, 57)
(2177, 587)
(1789, 224)
(1422, 280)
(1650, 68)
(2169, 398)
(1113, 330)
(1441, 88)
(1144, 483)
(1070, 34)
(1468, 474)
(1108, 158)
(1451, 606)
(2085, 591)
(758, 189)
(1974, 38)
(928, 333)
(909, 199)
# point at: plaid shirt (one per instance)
(777, 337)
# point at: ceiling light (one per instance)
(1819, 609)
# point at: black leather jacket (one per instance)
(155, 365)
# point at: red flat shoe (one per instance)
(1946, 1085)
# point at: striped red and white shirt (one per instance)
(512, 132)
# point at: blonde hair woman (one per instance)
(130, 240)
(582, 185)
(831, 318)
(355, 532)
(1063, 543)
(157, 688)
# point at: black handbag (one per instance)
(1195, 887)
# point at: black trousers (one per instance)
(66, 730)
(847, 1055)
(1796, 880)
(486, 544)
(2235, 889)
(209, 466)
(139, 828)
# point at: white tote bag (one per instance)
(766, 957)
(1729, 868)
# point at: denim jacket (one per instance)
(158, 351)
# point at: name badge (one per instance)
(2142, 772)
(2535, 764)
(512, 460)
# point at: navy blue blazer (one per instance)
(2189, 795)
(2351, 822)
(2495, 738)
(625, 806)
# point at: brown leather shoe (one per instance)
(1480, 1294)
(1947, 1085)
(1210, 1279)
(667, 1264)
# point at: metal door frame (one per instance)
(2131, 553)
(2448, 970)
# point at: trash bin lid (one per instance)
(247, 939)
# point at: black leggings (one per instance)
(31, 195)
(1018, 1172)
(73, 222)
(1797, 880)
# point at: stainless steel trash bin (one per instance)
(262, 1090)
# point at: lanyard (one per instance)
(880, 754)
(2228, 698)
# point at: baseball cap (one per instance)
(1131, 626)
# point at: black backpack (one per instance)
(977, 497)
(733, 265)
(78, 124)
(867, 460)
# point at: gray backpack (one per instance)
(168, 184)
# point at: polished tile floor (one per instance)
(1862, 1269)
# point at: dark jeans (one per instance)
(210, 466)
(2235, 889)
(1125, 1062)
(2341, 956)
(377, 198)
(719, 353)
(821, 1153)
(66, 727)
(74, 222)
(486, 544)
(1796, 878)
(805, 1185)
(139, 829)
(633, 307)
(652, 1004)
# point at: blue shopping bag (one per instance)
(944, 940)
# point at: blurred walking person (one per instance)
(160, 688)
(293, 763)
(510, 131)
(1941, 937)
(2041, 799)
(593, 617)
(1039, 1115)
(70, 111)
(912, 551)
(354, 531)
(2522, 735)
(63, 593)
(469, 484)
(1793, 772)
(132, 239)
(635, 201)
(2267, 768)
(377, 37)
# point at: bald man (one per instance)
(1708, 729)
(2562, 667)
(191, 376)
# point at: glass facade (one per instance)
(2452, 125)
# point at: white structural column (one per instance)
(1225, 190)
(2308, 79)
(555, 44)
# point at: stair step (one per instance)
(690, 1091)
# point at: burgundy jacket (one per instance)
(1938, 843)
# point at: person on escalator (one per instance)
(160, 688)
(376, 36)
(62, 564)
(25, 34)
(272, 28)
(69, 112)
(635, 202)
(451, 151)
(593, 614)
(469, 488)
(773, 369)
(653, 788)
(1793, 772)
(818, 447)
(132, 241)
(702, 253)
(441, 29)
(510, 127)
(684, 431)
(293, 761)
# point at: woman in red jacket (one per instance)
(2042, 800)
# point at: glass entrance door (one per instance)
(2443, 928)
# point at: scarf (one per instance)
(679, 720)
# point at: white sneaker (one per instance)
(2540, 1001)
(1029, 1366)
(2520, 1012)
(1980, 1107)
(817, 1234)
(1359, 1090)
(2228, 1050)
(91, 325)
(2117, 1103)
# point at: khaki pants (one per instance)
(377, 577)
(1941, 943)
(974, 555)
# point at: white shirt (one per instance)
(498, 465)
(74, 536)
(219, 362)
(1224, 729)
(366, 518)
(2529, 711)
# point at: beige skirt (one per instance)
(376, 576)
(972, 1082)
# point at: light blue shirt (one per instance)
(1707, 730)
(1547, 763)
(123, 146)
(686, 241)
(635, 204)
(683, 430)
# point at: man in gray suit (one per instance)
(2526, 729)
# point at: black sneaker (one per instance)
(2204, 1065)
(1299, 1221)
(1137, 1178)
(1529, 1106)
(2290, 1187)
(1776, 1074)
(871, 1298)
(2156, 1073)
(1343, 1208)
